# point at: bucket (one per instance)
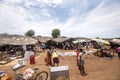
(20, 61)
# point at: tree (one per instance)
(55, 33)
(30, 33)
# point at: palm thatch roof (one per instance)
(16, 40)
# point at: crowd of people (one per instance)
(52, 57)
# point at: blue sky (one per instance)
(74, 18)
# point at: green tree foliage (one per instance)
(30, 33)
(55, 33)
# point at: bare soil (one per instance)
(96, 68)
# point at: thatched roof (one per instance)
(16, 40)
(60, 39)
(44, 39)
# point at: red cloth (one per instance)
(77, 54)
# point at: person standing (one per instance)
(24, 48)
(43, 46)
(55, 58)
(81, 62)
(118, 51)
(77, 54)
(48, 57)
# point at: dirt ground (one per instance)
(96, 68)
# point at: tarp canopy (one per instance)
(101, 41)
(116, 41)
(80, 40)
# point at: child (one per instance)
(81, 63)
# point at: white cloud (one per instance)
(102, 21)
(52, 1)
(12, 1)
(45, 12)
(13, 20)
(56, 1)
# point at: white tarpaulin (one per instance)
(27, 55)
(67, 53)
(116, 41)
(80, 41)
(74, 53)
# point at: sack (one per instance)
(28, 74)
